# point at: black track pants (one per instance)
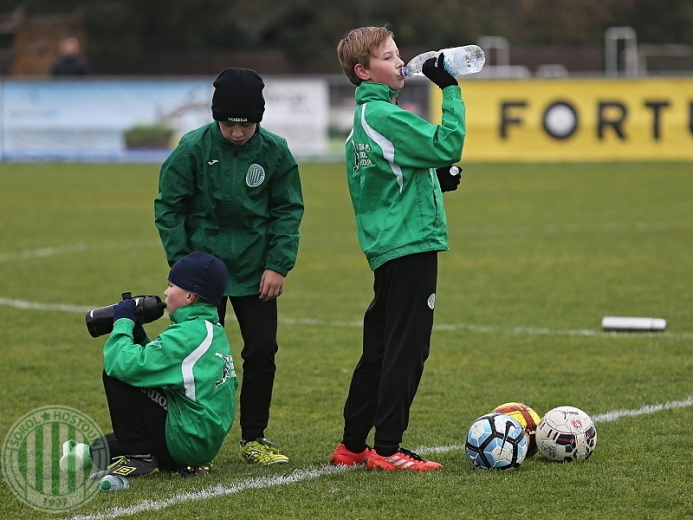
(257, 321)
(138, 416)
(396, 343)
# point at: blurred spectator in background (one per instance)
(70, 62)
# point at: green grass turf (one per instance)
(539, 253)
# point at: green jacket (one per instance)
(241, 203)
(191, 361)
(391, 156)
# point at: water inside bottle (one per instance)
(414, 66)
(469, 59)
(465, 60)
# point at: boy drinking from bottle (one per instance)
(172, 399)
(398, 165)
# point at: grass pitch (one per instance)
(539, 253)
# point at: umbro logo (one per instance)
(214, 161)
(123, 470)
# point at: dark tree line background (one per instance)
(182, 36)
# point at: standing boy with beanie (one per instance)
(398, 164)
(232, 188)
(172, 400)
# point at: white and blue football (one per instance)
(496, 441)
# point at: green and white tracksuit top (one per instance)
(191, 361)
(391, 156)
(242, 204)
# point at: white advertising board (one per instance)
(82, 120)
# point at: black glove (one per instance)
(449, 177)
(434, 69)
(125, 309)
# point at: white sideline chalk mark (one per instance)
(21, 304)
(313, 322)
(645, 410)
(44, 252)
(315, 472)
(423, 450)
(74, 249)
(216, 491)
(531, 331)
(519, 330)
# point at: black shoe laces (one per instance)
(411, 454)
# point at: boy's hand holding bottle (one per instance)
(434, 69)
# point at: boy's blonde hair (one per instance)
(358, 46)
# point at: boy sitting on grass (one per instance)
(172, 399)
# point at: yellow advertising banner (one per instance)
(577, 119)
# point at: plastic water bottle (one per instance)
(458, 61)
(76, 456)
(113, 483)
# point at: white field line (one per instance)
(72, 249)
(34, 306)
(645, 410)
(300, 475)
(310, 322)
(44, 252)
(216, 491)
(552, 229)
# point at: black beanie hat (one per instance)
(202, 274)
(238, 96)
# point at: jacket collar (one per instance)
(370, 91)
(196, 311)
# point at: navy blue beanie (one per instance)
(201, 274)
